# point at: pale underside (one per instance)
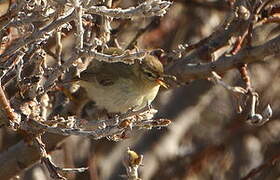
(121, 96)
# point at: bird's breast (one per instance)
(121, 96)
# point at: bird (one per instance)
(119, 87)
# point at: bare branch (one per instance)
(186, 72)
(254, 172)
(38, 34)
(105, 26)
(127, 57)
(145, 9)
(13, 118)
(79, 24)
(108, 128)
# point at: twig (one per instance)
(272, 19)
(96, 134)
(235, 25)
(217, 79)
(107, 128)
(13, 118)
(57, 72)
(132, 161)
(52, 168)
(38, 34)
(260, 168)
(72, 170)
(9, 65)
(185, 72)
(145, 9)
(236, 91)
(127, 57)
(45, 159)
(7, 18)
(243, 69)
(255, 118)
(20, 156)
(105, 26)
(79, 24)
(58, 50)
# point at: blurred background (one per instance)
(207, 139)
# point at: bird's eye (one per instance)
(150, 74)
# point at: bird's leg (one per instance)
(149, 105)
(113, 115)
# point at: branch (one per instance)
(113, 127)
(47, 161)
(186, 72)
(145, 9)
(37, 35)
(21, 155)
(236, 23)
(126, 57)
(272, 162)
(105, 24)
(79, 24)
(12, 117)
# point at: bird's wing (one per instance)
(106, 79)
(97, 74)
(106, 74)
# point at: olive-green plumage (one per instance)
(117, 87)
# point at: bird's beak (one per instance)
(161, 82)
